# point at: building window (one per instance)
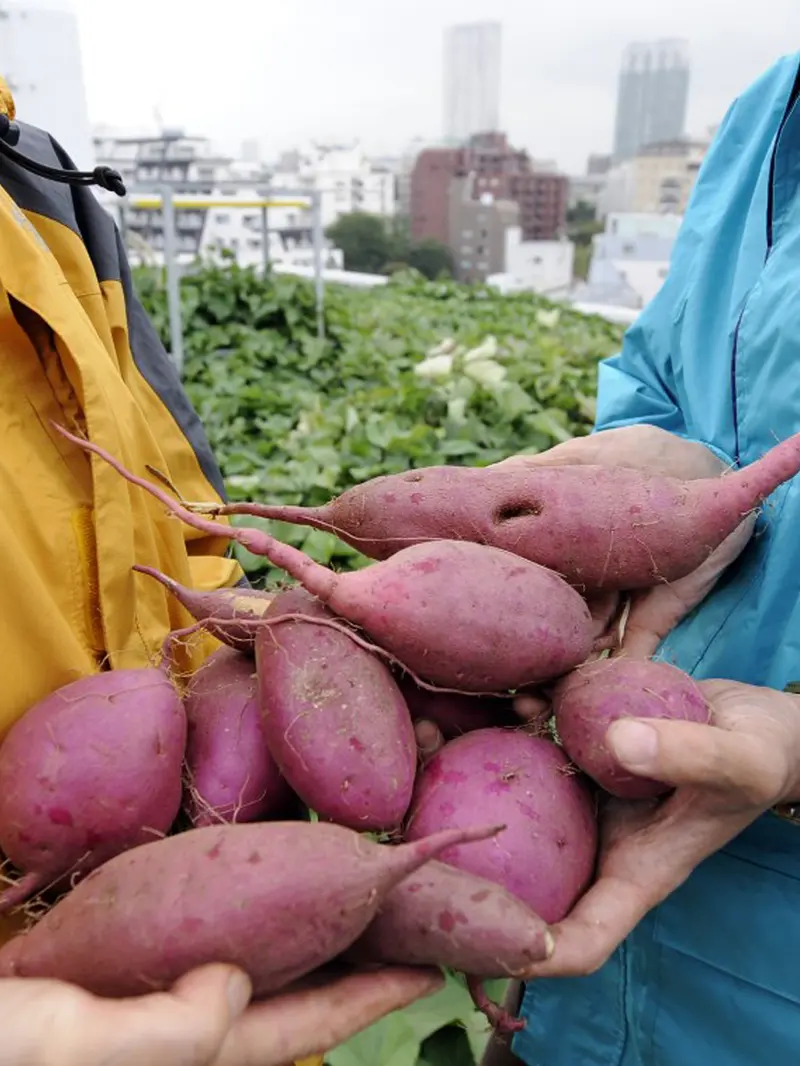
(222, 218)
(466, 264)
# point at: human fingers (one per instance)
(429, 738)
(185, 1026)
(311, 1021)
(745, 769)
(655, 612)
(533, 710)
(656, 850)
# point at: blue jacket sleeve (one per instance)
(637, 386)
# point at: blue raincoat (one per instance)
(712, 976)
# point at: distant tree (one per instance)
(431, 258)
(400, 234)
(582, 211)
(376, 245)
(365, 241)
(582, 227)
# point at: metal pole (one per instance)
(319, 284)
(173, 279)
(265, 238)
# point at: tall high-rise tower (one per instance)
(652, 96)
(471, 80)
(40, 58)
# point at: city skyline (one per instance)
(287, 76)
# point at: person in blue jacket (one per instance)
(686, 952)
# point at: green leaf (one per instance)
(401, 1036)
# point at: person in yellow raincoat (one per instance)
(77, 348)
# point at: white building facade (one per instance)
(346, 178)
(543, 267)
(630, 260)
(198, 175)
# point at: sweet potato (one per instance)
(588, 700)
(228, 614)
(547, 853)
(601, 528)
(90, 771)
(443, 916)
(231, 776)
(334, 719)
(276, 899)
(519, 624)
(454, 713)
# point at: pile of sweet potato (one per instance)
(276, 814)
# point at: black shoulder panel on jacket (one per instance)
(77, 208)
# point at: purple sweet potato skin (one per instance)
(93, 769)
(334, 718)
(547, 853)
(517, 623)
(442, 916)
(588, 700)
(454, 713)
(600, 527)
(231, 775)
(276, 899)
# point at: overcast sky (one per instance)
(284, 71)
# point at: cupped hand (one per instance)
(205, 1020)
(653, 613)
(726, 775)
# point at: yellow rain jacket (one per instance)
(77, 348)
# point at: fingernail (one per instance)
(549, 945)
(239, 992)
(634, 744)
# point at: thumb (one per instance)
(702, 756)
(186, 1025)
(216, 989)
